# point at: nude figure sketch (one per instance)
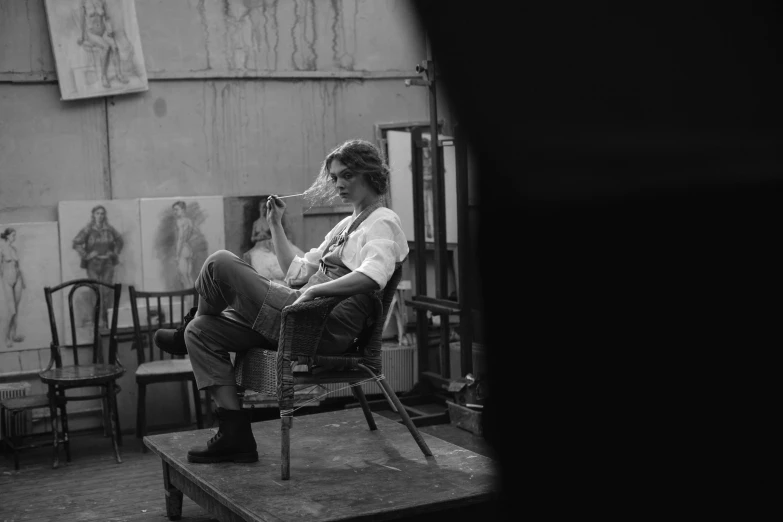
(184, 252)
(13, 286)
(99, 36)
(181, 245)
(97, 47)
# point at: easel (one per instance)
(439, 304)
(433, 386)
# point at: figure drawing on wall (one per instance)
(99, 246)
(97, 47)
(181, 244)
(13, 286)
(262, 255)
(99, 39)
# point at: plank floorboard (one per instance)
(93, 487)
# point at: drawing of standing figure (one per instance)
(98, 34)
(262, 255)
(12, 283)
(184, 251)
(99, 245)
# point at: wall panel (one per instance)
(241, 137)
(24, 39)
(236, 38)
(50, 150)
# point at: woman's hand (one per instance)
(275, 207)
(307, 295)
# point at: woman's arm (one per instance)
(274, 216)
(80, 244)
(349, 284)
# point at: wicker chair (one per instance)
(300, 333)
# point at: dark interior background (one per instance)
(630, 170)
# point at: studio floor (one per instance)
(94, 487)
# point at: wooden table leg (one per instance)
(173, 496)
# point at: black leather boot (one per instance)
(233, 442)
(172, 340)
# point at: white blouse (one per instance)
(372, 249)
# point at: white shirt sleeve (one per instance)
(376, 246)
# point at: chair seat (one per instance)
(86, 374)
(164, 367)
(27, 402)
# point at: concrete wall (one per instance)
(245, 97)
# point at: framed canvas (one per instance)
(29, 261)
(101, 240)
(96, 46)
(248, 235)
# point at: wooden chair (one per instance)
(300, 333)
(82, 374)
(162, 310)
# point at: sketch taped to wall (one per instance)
(96, 47)
(28, 263)
(249, 237)
(100, 240)
(177, 236)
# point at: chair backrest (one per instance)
(154, 310)
(99, 292)
(371, 351)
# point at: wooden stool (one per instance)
(12, 411)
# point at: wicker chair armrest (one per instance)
(318, 304)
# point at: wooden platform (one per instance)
(340, 470)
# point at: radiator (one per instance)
(24, 420)
(398, 362)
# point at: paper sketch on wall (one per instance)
(96, 47)
(27, 265)
(248, 234)
(100, 240)
(401, 189)
(178, 234)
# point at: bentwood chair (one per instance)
(93, 373)
(161, 310)
(300, 333)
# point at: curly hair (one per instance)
(7, 232)
(361, 157)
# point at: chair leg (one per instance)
(285, 454)
(141, 414)
(64, 423)
(403, 413)
(106, 419)
(118, 431)
(56, 435)
(197, 404)
(359, 394)
(186, 401)
(208, 406)
(10, 435)
(110, 402)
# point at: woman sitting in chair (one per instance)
(239, 309)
